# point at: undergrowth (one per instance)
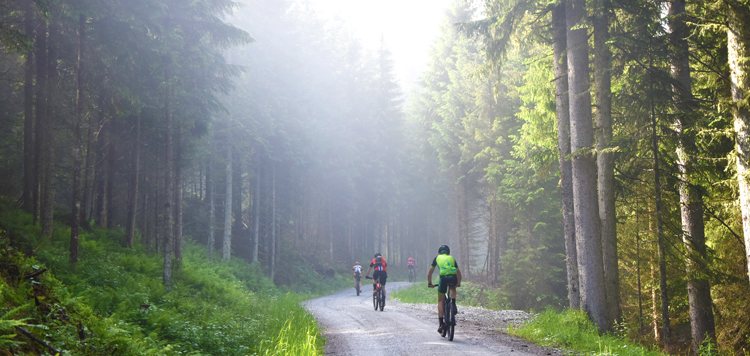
(468, 294)
(113, 301)
(572, 330)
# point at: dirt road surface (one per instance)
(353, 327)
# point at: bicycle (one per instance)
(412, 275)
(378, 296)
(358, 284)
(449, 313)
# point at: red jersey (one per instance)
(411, 261)
(379, 266)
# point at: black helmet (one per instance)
(378, 254)
(444, 248)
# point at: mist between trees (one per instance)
(591, 155)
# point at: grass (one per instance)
(572, 330)
(113, 300)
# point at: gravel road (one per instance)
(352, 327)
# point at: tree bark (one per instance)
(660, 229)
(178, 181)
(605, 161)
(691, 201)
(273, 219)
(227, 242)
(133, 193)
(28, 110)
(738, 45)
(588, 233)
(563, 148)
(41, 113)
(47, 200)
(75, 218)
(256, 213)
(210, 196)
(168, 188)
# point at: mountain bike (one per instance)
(412, 275)
(378, 295)
(358, 283)
(449, 313)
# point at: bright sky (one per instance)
(408, 26)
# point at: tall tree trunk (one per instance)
(75, 218)
(40, 113)
(585, 204)
(273, 219)
(28, 110)
(691, 201)
(256, 213)
(563, 148)
(133, 193)
(168, 189)
(102, 183)
(738, 45)
(227, 242)
(48, 138)
(210, 196)
(605, 160)
(89, 174)
(178, 181)
(660, 228)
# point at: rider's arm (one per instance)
(458, 275)
(368, 271)
(429, 275)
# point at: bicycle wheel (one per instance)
(446, 318)
(382, 300)
(452, 323)
(357, 286)
(375, 300)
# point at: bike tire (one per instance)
(452, 318)
(375, 301)
(382, 300)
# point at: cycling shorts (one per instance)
(382, 274)
(446, 281)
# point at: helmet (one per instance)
(444, 248)
(378, 254)
(356, 263)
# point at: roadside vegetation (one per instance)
(113, 301)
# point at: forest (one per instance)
(574, 154)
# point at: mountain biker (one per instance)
(450, 277)
(411, 263)
(379, 265)
(357, 273)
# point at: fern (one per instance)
(8, 326)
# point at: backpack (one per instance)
(379, 261)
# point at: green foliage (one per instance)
(115, 298)
(572, 330)
(469, 294)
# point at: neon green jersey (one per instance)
(446, 263)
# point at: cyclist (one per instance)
(380, 271)
(411, 263)
(357, 273)
(450, 277)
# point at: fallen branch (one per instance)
(32, 275)
(41, 342)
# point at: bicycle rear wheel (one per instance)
(375, 300)
(450, 320)
(382, 300)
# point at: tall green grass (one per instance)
(113, 300)
(572, 330)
